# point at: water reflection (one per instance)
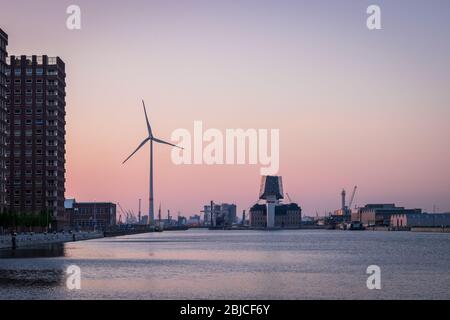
(41, 251)
(28, 278)
(250, 265)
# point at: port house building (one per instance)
(286, 216)
(420, 220)
(380, 214)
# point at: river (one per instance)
(202, 264)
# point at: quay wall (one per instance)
(27, 240)
(431, 229)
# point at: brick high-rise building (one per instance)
(36, 143)
(3, 118)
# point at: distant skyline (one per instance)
(354, 107)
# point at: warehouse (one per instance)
(420, 220)
(380, 214)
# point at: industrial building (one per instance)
(404, 221)
(380, 214)
(207, 216)
(87, 216)
(35, 155)
(193, 221)
(274, 214)
(223, 215)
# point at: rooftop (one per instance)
(3, 34)
(70, 203)
(380, 206)
(38, 58)
(94, 203)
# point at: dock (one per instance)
(32, 239)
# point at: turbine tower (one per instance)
(152, 139)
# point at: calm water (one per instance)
(201, 264)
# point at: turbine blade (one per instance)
(137, 149)
(168, 143)
(149, 128)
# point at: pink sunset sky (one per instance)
(354, 106)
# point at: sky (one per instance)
(354, 106)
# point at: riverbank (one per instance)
(120, 233)
(431, 229)
(29, 240)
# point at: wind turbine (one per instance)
(150, 139)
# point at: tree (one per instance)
(13, 219)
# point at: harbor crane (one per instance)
(352, 198)
(289, 198)
(123, 212)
